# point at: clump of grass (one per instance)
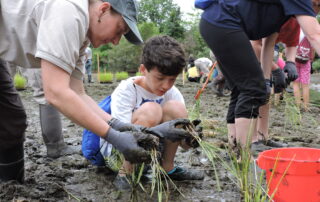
(114, 161)
(135, 182)
(106, 77)
(292, 111)
(240, 167)
(20, 82)
(194, 113)
(121, 76)
(314, 98)
(161, 181)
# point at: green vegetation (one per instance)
(121, 76)
(20, 82)
(316, 65)
(106, 77)
(292, 111)
(314, 97)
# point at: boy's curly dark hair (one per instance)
(165, 54)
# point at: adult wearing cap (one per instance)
(53, 35)
(227, 26)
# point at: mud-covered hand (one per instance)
(171, 130)
(193, 141)
(127, 144)
(278, 80)
(122, 126)
(291, 70)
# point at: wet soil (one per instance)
(72, 178)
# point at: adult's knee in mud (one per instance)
(149, 114)
(174, 109)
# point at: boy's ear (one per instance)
(142, 69)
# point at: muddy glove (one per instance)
(291, 70)
(122, 126)
(268, 87)
(127, 144)
(278, 80)
(171, 130)
(191, 140)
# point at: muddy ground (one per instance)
(72, 178)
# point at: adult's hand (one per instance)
(171, 130)
(278, 80)
(291, 70)
(128, 144)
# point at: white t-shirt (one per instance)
(88, 53)
(128, 97)
(203, 64)
(54, 30)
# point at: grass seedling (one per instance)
(135, 182)
(292, 111)
(161, 182)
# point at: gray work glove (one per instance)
(122, 126)
(128, 144)
(278, 80)
(291, 70)
(171, 130)
(268, 87)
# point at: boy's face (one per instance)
(156, 82)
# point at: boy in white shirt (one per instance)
(151, 99)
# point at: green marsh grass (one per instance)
(106, 77)
(242, 171)
(314, 98)
(121, 76)
(292, 112)
(20, 82)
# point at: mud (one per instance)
(72, 178)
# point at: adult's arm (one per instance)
(267, 54)
(56, 85)
(291, 53)
(77, 86)
(257, 45)
(311, 29)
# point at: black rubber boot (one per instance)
(12, 164)
(89, 79)
(51, 129)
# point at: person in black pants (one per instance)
(236, 23)
(13, 122)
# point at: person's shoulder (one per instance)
(127, 83)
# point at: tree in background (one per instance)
(126, 56)
(163, 13)
(193, 42)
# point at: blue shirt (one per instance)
(257, 18)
